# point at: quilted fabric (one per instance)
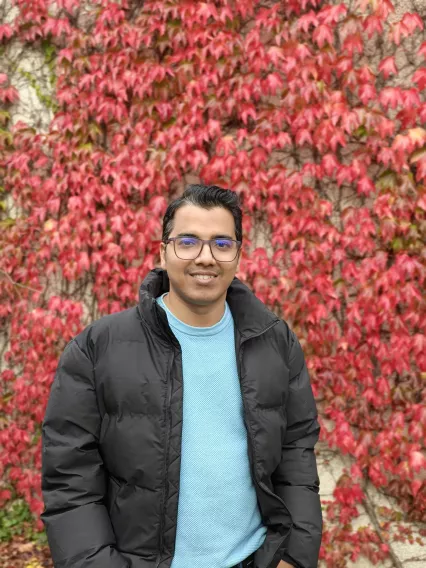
(111, 437)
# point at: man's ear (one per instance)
(239, 260)
(163, 256)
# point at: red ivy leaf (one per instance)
(391, 97)
(6, 32)
(365, 186)
(419, 78)
(387, 66)
(412, 22)
(322, 35)
(422, 49)
(373, 24)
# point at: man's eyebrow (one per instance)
(198, 237)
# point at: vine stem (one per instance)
(17, 283)
(369, 507)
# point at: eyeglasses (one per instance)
(189, 248)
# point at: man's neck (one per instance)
(196, 316)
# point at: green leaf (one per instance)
(94, 130)
(321, 86)
(86, 146)
(386, 180)
(16, 519)
(4, 114)
(49, 50)
(8, 222)
(397, 244)
(360, 132)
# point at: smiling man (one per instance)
(200, 277)
(181, 433)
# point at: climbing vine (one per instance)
(297, 106)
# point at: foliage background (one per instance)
(313, 112)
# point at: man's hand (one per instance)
(284, 564)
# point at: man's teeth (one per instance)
(202, 277)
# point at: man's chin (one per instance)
(202, 297)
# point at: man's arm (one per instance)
(296, 479)
(77, 523)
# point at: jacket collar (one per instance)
(251, 316)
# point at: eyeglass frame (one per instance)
(203, 242)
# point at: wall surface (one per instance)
(26, 66)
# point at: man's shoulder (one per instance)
(284, 331)
(115, 320)
(101, 333)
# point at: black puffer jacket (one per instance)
(112, 437)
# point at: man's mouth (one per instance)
(204, 277)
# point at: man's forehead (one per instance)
(200, 235)
(204, 223)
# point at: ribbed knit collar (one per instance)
(250, 315)
(183, 327)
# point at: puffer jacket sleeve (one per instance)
(77, 523)
(296, 479)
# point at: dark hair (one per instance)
(207, 196)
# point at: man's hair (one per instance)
(207, 196)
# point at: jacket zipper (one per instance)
(166, 459)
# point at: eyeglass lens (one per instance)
(188, 248)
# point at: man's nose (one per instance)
(205, 255)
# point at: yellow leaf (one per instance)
(33, 563)
(417, 134)
(49, 225)
(417, 155)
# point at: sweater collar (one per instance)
(251, 316)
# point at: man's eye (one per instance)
(223, 244)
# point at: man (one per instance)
(180, 433)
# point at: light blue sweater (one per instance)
(219, 522)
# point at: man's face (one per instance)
(205, 224)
